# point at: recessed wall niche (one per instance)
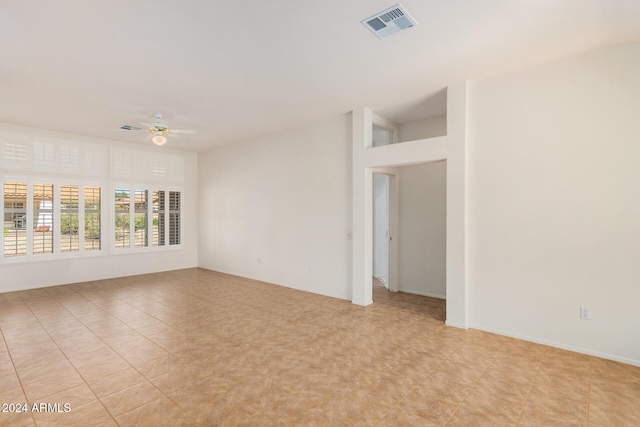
(414, 120)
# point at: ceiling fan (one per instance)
(158, 129)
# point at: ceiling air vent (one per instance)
(390, 21)
(129, 127)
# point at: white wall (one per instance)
(284, 200)
(427, 128)
(422, 229)
(555, 203)
(15, 274)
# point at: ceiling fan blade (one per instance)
(183, 131)
(147, 125)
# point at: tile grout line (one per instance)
(116, 318)
(589, 390)
(415, 387)
(475, 383)
(63, 353)
(531, 385)
(111, 294)
(439, 329)
(112, 349)
(105, 343)
(15, 370)
(417, 384)
(169, 351)
(395, 405)
(494, 353)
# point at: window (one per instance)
(53, 204)
(42, 218)
(92, 229)
(15, 219)
(122, 219)
(382, 136)
(31, 214)
(158, 218)
(69, 219)
(174, 217)
(140, 218)
(151, 218)
(71, 216)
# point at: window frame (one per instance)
(57, 254)
(25, 219)
(150, 190)
(388, 126)
(45, 159)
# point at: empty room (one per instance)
(335, 214)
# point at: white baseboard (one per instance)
(560, 345)
(456, 325)
(424, 294)
(262, 279)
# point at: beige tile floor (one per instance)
(195, 347)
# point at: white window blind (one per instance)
(69, 233)
(14, 150)
(94, 159)
(69, 157)
(174, 218)
(43, 154)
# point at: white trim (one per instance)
(455, 324)
(244, 276)
(388, 125)
(150, 188)
(382, 122)
(424, 294)
(57, 182)
(453, 147)
(558, 345)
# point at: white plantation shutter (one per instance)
(175, 169)
(69, 157)
(57, 184)
(174, 218)
(141, 164)
(14, 150)
(43, 154)
(121, 163)
(159, 167)
(94, 159)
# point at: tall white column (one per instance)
(362, 209)
(457, 205)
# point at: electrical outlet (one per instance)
(585, 313)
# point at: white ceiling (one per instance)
(236, 70)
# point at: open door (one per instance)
(382, 228)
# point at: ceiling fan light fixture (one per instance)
(159, 139)
(157, 130)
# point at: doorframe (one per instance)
(394, 205)
(454, 148)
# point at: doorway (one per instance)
(421, 235)
(454, 148)
(409, 229)
(381, 228)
